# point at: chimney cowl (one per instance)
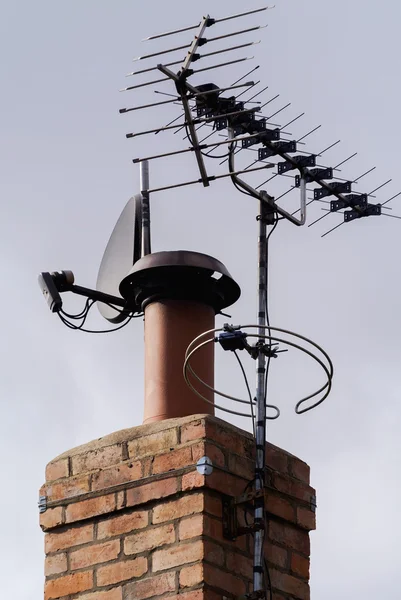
(180, 275)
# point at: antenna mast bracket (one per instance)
(231, 528)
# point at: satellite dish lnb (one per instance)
(129, 241)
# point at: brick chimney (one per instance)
(129, 517)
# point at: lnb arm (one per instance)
(53, 284)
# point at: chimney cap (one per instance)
(179, 274)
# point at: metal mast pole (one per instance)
(265, 216)
(144, 189)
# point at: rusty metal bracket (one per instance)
(231, 527)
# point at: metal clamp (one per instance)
(42, 504)
(231, 528)
(204, 466)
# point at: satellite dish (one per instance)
(122, 252)
(129, 241)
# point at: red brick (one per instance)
(203, 593)
(206, 449)
(191, 576)
(186, 505)
(280, 507)
(194, 595)
(213, 553)
(149, 539)
(242, 466)
(229, 439)
(226, 582)
(225, 483)
(147, 463)
(68, 488)
(293, 487)
(300, 565)
(291, 537)
(151, 444)
(66, 539)
(193, 431)
(114, 594)
(240, 565)
(120, 501)
(213, 528)
(191, 527)
(90, 508)
(97, 459)
(182, 457)
(53, 517)
(282, 483)
(95, 554)
(204, 525)
(127, 471)
(121, 571)
(152, 586)
(300, 470)
(177, 555)
(276, 459)
(57, 470)
(192, 480)
(69, 584)
(56, 564)
(213, 505)
(211, 595)
(122, 524)
(289, 585)
(152, 491)
(306, 518)
(276, 555)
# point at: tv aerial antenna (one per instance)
(223, 108)
(248, 125)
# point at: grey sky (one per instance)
(66, 174)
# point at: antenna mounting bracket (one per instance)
(231, 527)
